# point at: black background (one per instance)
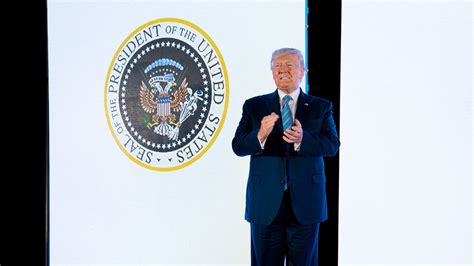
(24, 208)
(324, 64)
(25, 94)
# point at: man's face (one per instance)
(287, 72)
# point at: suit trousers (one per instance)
(284, 238)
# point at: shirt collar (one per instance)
(294, 95)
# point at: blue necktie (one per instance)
(286, 115)
(287, 119)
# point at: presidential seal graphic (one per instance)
(166, 94)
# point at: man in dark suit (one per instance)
(287, 133)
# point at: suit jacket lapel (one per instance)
(302, 107)
(273, 105)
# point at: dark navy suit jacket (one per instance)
(265, 185)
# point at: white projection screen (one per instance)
(406, 130)
(107, 207)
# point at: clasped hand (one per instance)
(292, 135)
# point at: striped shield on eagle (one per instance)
(165, 107)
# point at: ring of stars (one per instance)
(152, 46)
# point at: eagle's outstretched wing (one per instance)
(179, 96)
(146, 99)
